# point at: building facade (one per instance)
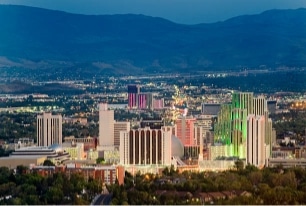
(49, 129)
(145, 101)
(185, 130)
(133, 91)
(202, 133)
(118, 127)
(210, 109)
(256, 147)
(75, 150)
(106, 126)
(158, 103)
(89, 142)
(145, 146)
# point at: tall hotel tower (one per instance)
(106, 126)
(145, 146)
(133, 91)
(234, 122)
(145, 101)
(231, 129)
(256, 147)
(49, 129)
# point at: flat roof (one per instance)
(24, 157)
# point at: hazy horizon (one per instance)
(178, 11)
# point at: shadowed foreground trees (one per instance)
(270, 186)
(34, 189)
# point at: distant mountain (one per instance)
(39, 38)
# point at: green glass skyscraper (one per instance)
(231, 128)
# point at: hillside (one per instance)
(130, 44)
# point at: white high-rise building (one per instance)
(106, 126)
(49, 129)
(256, 147)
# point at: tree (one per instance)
(54, 195)
(255, 177)
(4, 175)
(92, 188)
(48, 163)
(32, 200)
(166, 171)
(20, 169)
(239, 165)
(100, 160)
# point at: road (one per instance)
(103, 199)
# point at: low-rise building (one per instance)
(105, 174)
(35, 156)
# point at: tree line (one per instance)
(23, 188)
(269, 186)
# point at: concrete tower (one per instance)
(106, 126)
(256, 147)
(118, 127)
(49, 129)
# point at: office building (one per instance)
(272, 106)
(202, 133)
(49, 129)
(202, 128)
(118, 127)
(210, 109)
(106, 126)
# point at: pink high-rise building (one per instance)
(158, 103)
(145, 101)
(185, 130)
(142, 101)
(133, 91)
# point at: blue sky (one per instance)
(180, 11)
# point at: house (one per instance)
(204, 197)
(229, 194)
(217, 195)
(243, 193)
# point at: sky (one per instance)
(179, 11)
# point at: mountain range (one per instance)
(38, 38)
